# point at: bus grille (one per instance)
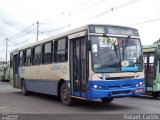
(120, 78)
(121, 92)
(118, 86)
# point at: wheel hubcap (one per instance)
(65, 94)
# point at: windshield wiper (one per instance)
(124, 44)
(114, 45)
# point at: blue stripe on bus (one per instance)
(40, 86)
(109, 88)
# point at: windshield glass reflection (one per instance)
(113, 54)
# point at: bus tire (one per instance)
(65, 97)
(107, 100)
(24, 90)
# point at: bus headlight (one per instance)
(141, 83)
(95, 86)
(100, 87)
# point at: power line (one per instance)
(79, 8)
(88, 6)
(56, 18)
(112, 9)
(147, 21)
(130, 2)
(150, 16)
(21, 43)
(29, 29)
(23, 32)
(55, 29)
(116, 8)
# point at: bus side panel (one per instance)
(46, 87)
(44, 78)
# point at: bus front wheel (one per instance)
(65, 97)
(107, 100)
(24, 90)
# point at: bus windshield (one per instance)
(114, 54)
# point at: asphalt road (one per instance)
(12, 101)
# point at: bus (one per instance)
(4, 72)
(90, 62)
(151, 54)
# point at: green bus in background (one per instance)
(4, 72)
(151, 54)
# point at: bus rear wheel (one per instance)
(24, 90)
(107, 100)
(65, 97)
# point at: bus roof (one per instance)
(75, 30)
(53, 37)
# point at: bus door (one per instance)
(15, 70)
(149, 64)
(78, 66)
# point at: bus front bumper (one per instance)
(96, 93)
(115, 88)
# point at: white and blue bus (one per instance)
(90, 62)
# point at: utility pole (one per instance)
(37, 29)
(6, 48)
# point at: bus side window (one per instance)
(47, 53)
(28, 57)
(37, 55)
(61, 50)
(21, 58)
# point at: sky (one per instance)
(19, 17)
